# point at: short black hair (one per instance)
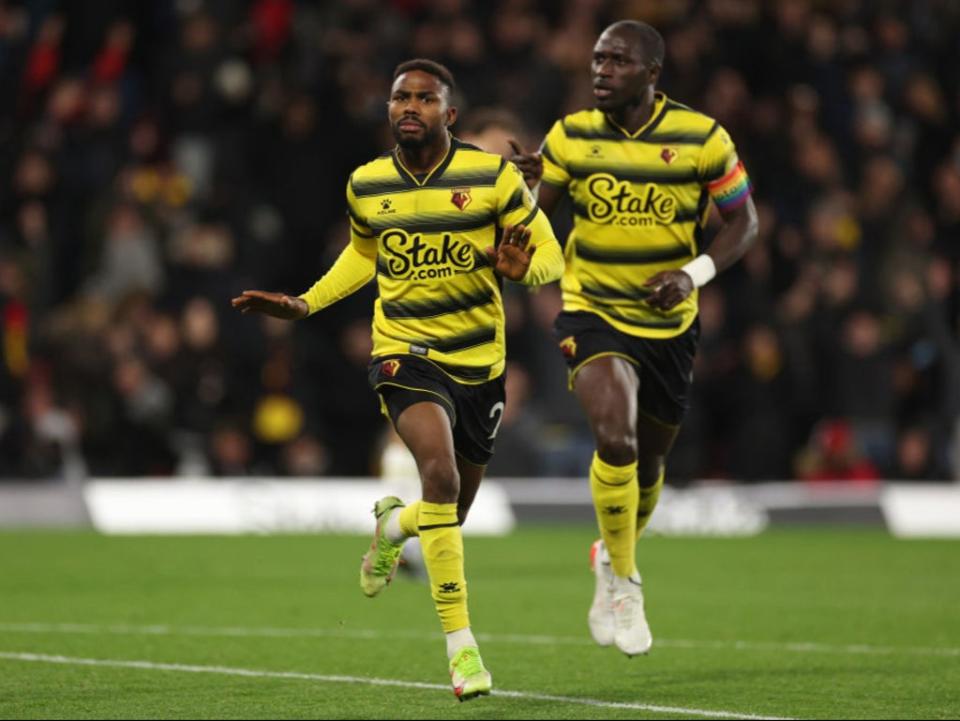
(650, 40)
(440, 72)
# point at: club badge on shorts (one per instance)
(390, 368)
(568, 346)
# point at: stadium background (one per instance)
(157, 158)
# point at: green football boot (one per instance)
(380, 562)
(468, 675)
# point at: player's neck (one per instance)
(422, 160)
(634, 116)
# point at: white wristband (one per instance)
(535, 191)
(701, 269)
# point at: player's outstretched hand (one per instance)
(668, 289)
(530, 164)
(278, 305)
(511, 258)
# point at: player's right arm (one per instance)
(356, 266)
(545, 171)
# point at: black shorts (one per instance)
(475, 411)
(664, 365)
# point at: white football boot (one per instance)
(631, 632)
(600, 617)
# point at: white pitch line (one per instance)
(254, 673)
(539, 640)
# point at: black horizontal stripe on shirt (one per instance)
(604, 293)
(470, 339)
(434, 308)
(548, 154)
(662, 137)
(362, 230)
(356, 218)
(576, 133)
(685, 215)
(628, 256)
(515, 201)
(380, 186)
(451, 179)
(677, 137)
(664, 323)
(714, 173)
(457, 222)
(633, 174)
(465, 180)
(382, 267)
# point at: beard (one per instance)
(408, 142)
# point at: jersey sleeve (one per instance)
(722, 172)
(516, 206)
(354, 268)
(554, 153)
(359, 230)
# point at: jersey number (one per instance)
(497, 411)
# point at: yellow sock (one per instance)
(615, 498)
(409, 518)
(442, 545)
(648, 501)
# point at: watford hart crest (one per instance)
(460, 197)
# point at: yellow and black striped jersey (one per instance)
(439, 297)
(640, 202)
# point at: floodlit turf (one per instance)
(805, 624)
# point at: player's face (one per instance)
(621, 72)
(419, 109)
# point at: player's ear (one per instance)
(654, 69)
(451, 116)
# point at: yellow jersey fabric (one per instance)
(640, 202)
(424, 239)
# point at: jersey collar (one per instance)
(411, 180)
(659, 109)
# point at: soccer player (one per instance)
(641, 170)
(423, 220)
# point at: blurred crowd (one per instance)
(159, 157)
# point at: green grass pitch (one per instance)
(797, 624)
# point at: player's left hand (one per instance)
(668, 289)
(530, 163)
(511, 258)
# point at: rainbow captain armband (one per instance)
(732, 190)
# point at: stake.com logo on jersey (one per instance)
(410, 257)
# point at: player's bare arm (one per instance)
(672, 287)
(278, 305)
